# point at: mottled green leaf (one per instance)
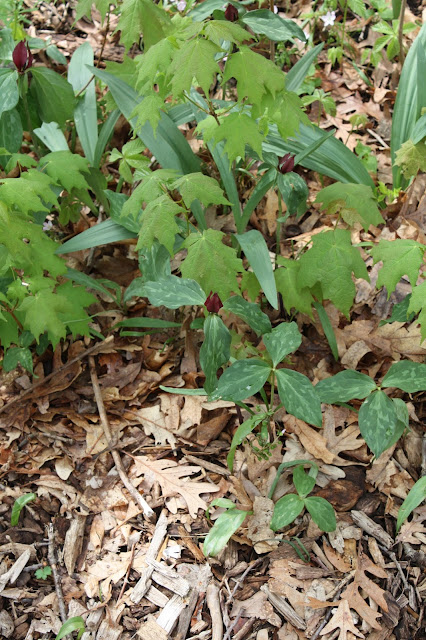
(344, 386)
(299, 396)
(282, 340)
(406, 375)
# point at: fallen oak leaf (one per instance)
(342, 619)
(169, 474)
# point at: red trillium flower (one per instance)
(231, 13)
(286, 163)
(213, 303)
(22, 57)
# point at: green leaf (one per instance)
(168, 145)
(158, 221)
(241, 434)
(154, 263)
(30, 192)
(55, 96)
(331, 158)
(15, 356)
(66, 169)
(304, 482)
(195, 59)
(400, 257)
(299, 396)
(151, 323)
(72, 624)
(241, 380)
(28, 245)
(85, 112)
(328, 329)
(273, 26)
(256, 251)
(84, 8)
(149, 110)
(330, 263)
(224, 527)
(219, 30)
(11, 132)
(54, 311)
(262, 187)
(410, 100)
(419, 130)
(354, 202)
(250, 313)
(215, 350)
(184, 392)
(294, 297)
(196, 186)
(294, 191)
(322, 513)
(418, 304)
(282, 340)
(416, 495)
(173, 292)
(406, 375)
(411, 158)
(51, 135)
(106, 232)
(18, 505)
(300, 70)
(286, 510)
(255, 75)
(238, 129)
(211, 263)
(378, 421)
(400, 312)
(8, 89)
(286, 111)
(44, 573)
(142, 16)
(345, 386)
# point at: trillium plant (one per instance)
(201, 68)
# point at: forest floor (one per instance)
(129, 575)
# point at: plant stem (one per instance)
(278, 230)
(104, 40)
(271, 42)
(401, 32)
(342, 42)
(27, 113)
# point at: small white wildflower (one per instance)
(181, 6)
(47, 225)
(25, 284)
(225, 58)
(329, 18)
(275, 9)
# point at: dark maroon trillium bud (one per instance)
(22, 57)
(231, 13)
(286, 163)
(213, 303)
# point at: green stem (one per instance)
(279, 227)
(345, 13)
(401, 32)
(271, 42)
(27, 113)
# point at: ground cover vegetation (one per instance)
(224, 203)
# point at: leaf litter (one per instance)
(131, 575)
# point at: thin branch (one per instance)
(141, 502)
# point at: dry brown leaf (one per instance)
(342, 620)
(256, 607)
(258, 529)
(312, 441)
(349, 439)
(169, 475)
(412, 532)
(362, 581)
(336, 559)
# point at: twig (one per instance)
(212, 597)
(141, 502)
(232, 626)
(241, 579)
(129, 568)
(51, 556)
(97, 347)
(423, 467)
(244, 630)
(104, 40)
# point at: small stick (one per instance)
(212, 597)
(83, 354)
(51, 556)
(244, 630)
(141, 502)
(129, 568)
